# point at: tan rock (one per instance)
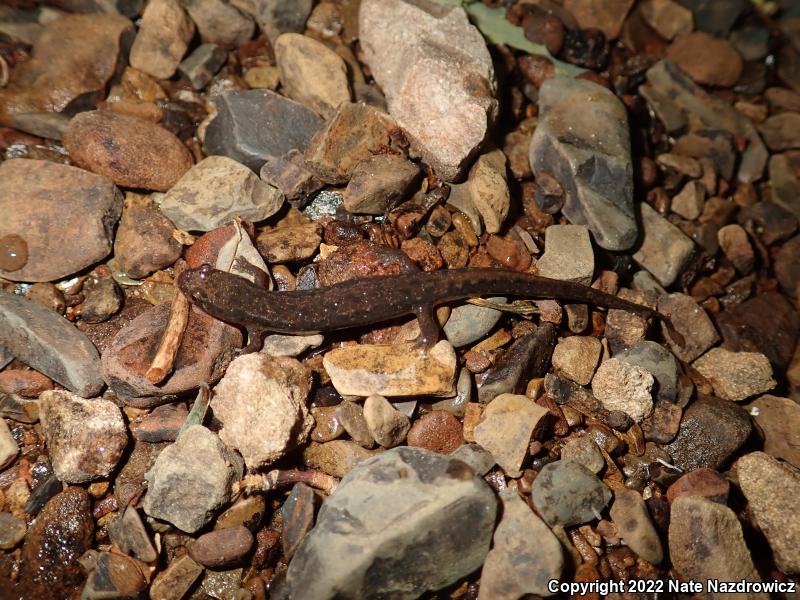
(736, 375)
(163, 38)
(706, 59)
(576, 358)
(335, 458)
(387, 425)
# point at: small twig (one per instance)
(164, 360)
(523, 308)
(277, 478)
(197, 415)
(4, 72)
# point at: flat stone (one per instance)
(668, 18)
(525, 554)
(785, 181)
(215, 191)
(781, 132)
(378, 183)
(129, 535)
(689, 202)
(162, 40)
(576, 358)
(219, 22)
(703, 482)
(567, 493)
(691, 322)
(288, 173)
(659, 362)
(634, 525)
(85, 438)
(711, 431)
(144, 242)
(665, 250)
(297, 513)
(386, 425)
(437, 50)
(778, 420)
(351, 416)
(388, 510)
(336, 457)
(484, 197)
(174, 582)
(8, 445)
(397, 370)
(63, 75)
(469, 323)
(506, 428)
(736, 246)
(706, 59)
(311, 73)
(261, 403)
(50, 344)
(12, 531)
(585, 451)
(772, 489)
(773, 222)
(115, 576)
(254, 125)
(438, 431)
(290, 345)
(568, 254)
(582, 141)
(248, 511)
(187, 492)
(66, 203)
(624, 387)
(222, 546)
(736, 375)
(706, 542)
(202, 64)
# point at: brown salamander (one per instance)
(357, 302)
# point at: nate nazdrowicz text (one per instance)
(689, 586)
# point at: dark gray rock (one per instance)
(785, 181)
(399, 524)
(129, 534)
(567, 493)
(664, 250)
(253, 125)
(202, 64)
(275, 17)
(659, 362)
(50, 344)
(582, 140)
(298, 518)
(715, 16)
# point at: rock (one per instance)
(388, 510)
(26, 383)
(588, 151)
(290, 244)
(659, 362)
(607, 15)
(248, 511)
(66, 203)
(131, 152)
(207, 347)
(691, 322)
(623, 328)
(397, 370)
(8, 445)
(215, 191)
(772, 489)
(129, 534)
(785, 181)
(115, 576)
(438, 431)
(525, 555)
(665, 250)
(778, 420)
(174, 582)
(689, 202)
(50, 344)
(290, 345)
(351, 416)
(288, 173)
(506, 428)
(668, 18)
(787, 267)
(59, 536)
(736, 375)
(625, 387)
(12, 531)
(576, 358)
(705, 482)
(706, 59)
(187, 492)
(102, 299)
(254, 125)
(773, 222)
(377, 184)
(222, 546)
(485, 192)
(275, 17)
(568, 254)
(202, 64)
(567, 493)
(386, 425)
(298, 517)
(469, 323)
(261, 403)
(781, 131)
(711, 431)
(476, 456)
(164, 36)
(144, 242)
(354, 133)
(63, 75)
(437, 50)
(85, 438)
(312, 74)
(629, 514)
(584, 450)
(335, 458)
(219, 22)
(706, 543)
(326, 426)
(736, 246)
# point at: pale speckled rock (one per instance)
(584, 450)
(629, 513)
(772, 489)
(162, 40)
(85, 438)
(567, 493)
(736, 375)
(568, 254)
(468, 323)
(336, 457)
(392, 503)
(706, 542)
(525, 554)
(485, 192)
(436, 50)
(576, 358)
(778, 419)
(397, 370)
(625, 387)
(659, 362)
(387, 425)
(8, 445)
(216, 190)
(665, 250)
(261, 403)
(311, 73)
(506, 427)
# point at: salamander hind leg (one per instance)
(428, 327)
(255, 341)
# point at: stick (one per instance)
(164, 360)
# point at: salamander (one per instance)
(369, 300)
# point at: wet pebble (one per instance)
(469, 323)
(351, 416)
(222, 547)
(778, 420)
(248, 511)
(387, 425)
(326, 426)
(129, 534)
(102, 299)
(162, 40)
(624, 387)
(736, 375)
(438, 431)
(567, 493)
(629, 513)
(144, 242)
(162, 424)
(576, 358)
(13, 252)
(298, 517)
(703, 482)
(174, 582)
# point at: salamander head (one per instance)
(200, 285)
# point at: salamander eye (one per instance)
(205, 271)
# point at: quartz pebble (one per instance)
(261, 403)
(778, 420)
(659, 362)
(568, 254)
(162, 40)
(567, 493)
(576, 358)
(222, 546)
(144, 242)
(625, 387)
(8, 445)
(387, 425)
(665, 250)
(396, 499)
(691, 322)
(736, 375)
(85, 438)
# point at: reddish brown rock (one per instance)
(222, 546)
(438, 430)
(131, 152)
(706, 59)
(700, 482)
(605, 15)
(25, 383)
(144, 242)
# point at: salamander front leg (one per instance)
(428, 327)
(255, 341)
